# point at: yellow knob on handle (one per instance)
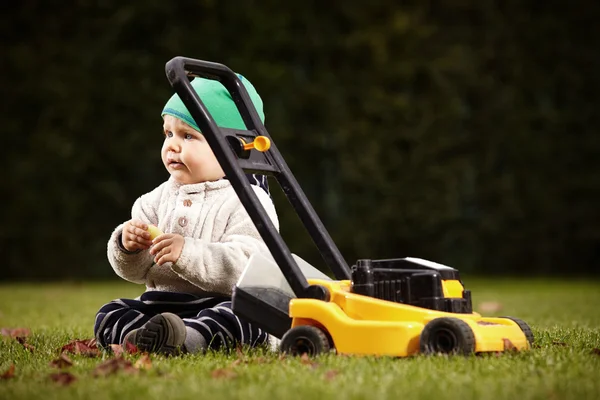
(260, 143)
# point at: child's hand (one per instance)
(135, 236)
(167, 248)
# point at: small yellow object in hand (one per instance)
(154, 232)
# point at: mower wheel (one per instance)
(447, 336)
(305, 339)
(525, 328)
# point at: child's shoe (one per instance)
(164, 333)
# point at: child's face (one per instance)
(187, 155)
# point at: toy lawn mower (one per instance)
(397, 307)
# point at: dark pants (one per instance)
(210, 316)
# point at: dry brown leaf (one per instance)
(305, 359)
(239, 352)
(63, 378)
(131, 348)
(113, 365)
(117, 350)
(9, 373)
(508, 345)
(486, 323)
(223, 373)
(144, 362)
(331, 374)
(258, 360)
(490, 307)
(63, 361)
(15, 332)
(596, 351)
(557, 343)
(86, 347)
(23, 341)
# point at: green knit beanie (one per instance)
(218, 101)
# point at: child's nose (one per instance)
(174, 144)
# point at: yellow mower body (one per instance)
(359, 324)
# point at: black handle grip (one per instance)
(180, 69)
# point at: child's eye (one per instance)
(188, 136)
(168, 134)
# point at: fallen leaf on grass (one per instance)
(508, 345)
(63, 361)
(258, 360)
(239, 352)
(490, 307)
(9, 373)
(241, 356)
(224, 373)
(15, 332)
(596, 351)
(63, 378)
(114, 365)
(23, 341)
(557, 343)
(331, 374)
(117, 349)
(20, 335)
(87, 348)
(305, 359)
(144, 362)
(131, 348)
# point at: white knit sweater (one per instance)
(219, 238)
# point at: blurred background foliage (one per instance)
(464, 131)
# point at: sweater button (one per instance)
(183, 221)
(187, 203)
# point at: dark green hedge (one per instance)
(465, 133)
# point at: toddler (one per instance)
(189, 270)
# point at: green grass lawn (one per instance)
(565, 318)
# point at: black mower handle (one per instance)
(179, 70)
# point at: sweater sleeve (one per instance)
(133, 266)
(216, 267)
